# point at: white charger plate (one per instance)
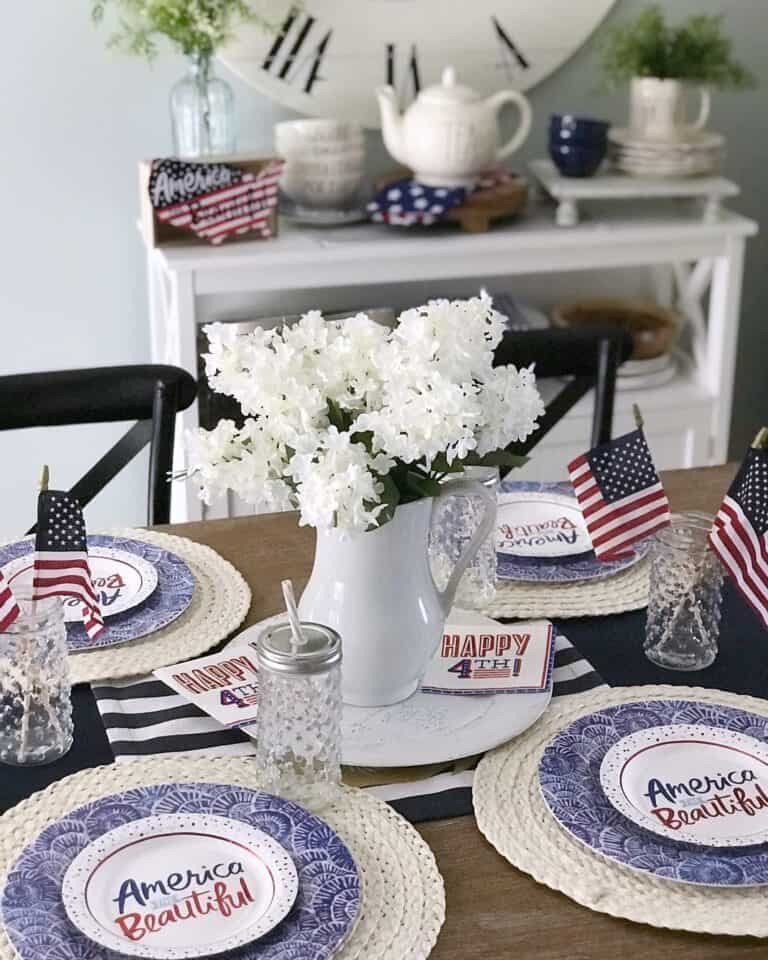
(120, 579)
(707, 785)
(142, 888)
(429, 727)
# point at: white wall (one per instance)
(77, 117)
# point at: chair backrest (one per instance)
(150, 394)
(589, 357)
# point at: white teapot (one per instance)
(449, 135)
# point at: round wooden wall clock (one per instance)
(326, 57)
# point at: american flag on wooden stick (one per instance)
(738, 535)
(9, 608)
(61, 557)
(620, 494)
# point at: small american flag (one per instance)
(9, 609)
(61, 557)
(738, 535)
(620, 494)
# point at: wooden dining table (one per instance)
(493, 910)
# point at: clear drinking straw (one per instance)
(298, 639)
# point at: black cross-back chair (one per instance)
(589, 357)
(150, 394)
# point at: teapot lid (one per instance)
(448, 90)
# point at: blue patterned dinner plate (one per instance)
(545, 565)
(169, 599)
(320, 920)
(569, 776)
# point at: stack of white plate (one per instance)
(698, 154)
(643, 374)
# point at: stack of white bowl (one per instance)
(324, 162)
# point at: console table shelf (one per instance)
(704, 260)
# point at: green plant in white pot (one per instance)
(202, 105)
(660, 61)
(360, 427)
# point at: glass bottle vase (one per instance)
(202, 112)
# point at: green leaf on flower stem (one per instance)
(336, 416)
(365, 437)
(440, 465)
(496, 458)
(390, 498)
(421, 486)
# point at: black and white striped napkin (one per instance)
(143, 717)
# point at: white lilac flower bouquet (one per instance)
(348, 418)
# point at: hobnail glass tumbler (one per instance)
(298, 749)
(454, 521)
(35, 705)
(683, 622)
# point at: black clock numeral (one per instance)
(509, 46)
(288, 59)
(412, 68)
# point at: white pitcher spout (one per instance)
(391, 123)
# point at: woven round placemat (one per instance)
(219, 604)
(511, 813)
(585, 598)
(403, 900)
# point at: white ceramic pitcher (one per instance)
(657, 110)
(376, 590)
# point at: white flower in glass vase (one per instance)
(361, 428)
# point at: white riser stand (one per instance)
(688, 419)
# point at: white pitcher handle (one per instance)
(496, 102)
(706, 101)
(472, 488)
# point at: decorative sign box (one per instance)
(220, 199)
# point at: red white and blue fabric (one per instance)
(739, 533)
(408, 203)
(620, 494)
(215, 201)
(61, 566)
(9, 608)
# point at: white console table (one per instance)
(687, 420)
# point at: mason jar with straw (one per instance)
(299, 721)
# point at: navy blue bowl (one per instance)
(564, 138)
(585, 127)
(573, 160)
